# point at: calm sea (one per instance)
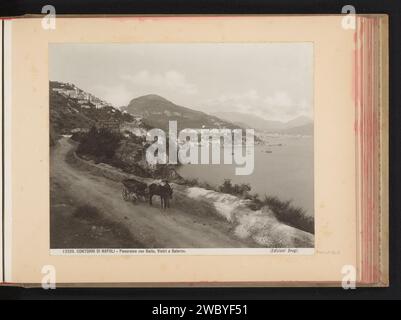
(283, 168)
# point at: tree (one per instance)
(101, 143)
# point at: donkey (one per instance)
(164, 191)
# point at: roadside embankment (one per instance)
(260, 226)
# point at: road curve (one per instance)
(149, 226)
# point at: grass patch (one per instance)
(289, 214)
(75, 224)
(87, 212)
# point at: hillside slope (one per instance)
(71, 109)
(157, 111)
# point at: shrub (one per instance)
(78, 136)
(206, 186)
(100, 143)
(289, 214)
(190, 182)
(236, 189)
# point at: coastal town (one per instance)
(85, 99)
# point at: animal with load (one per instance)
(134, 190)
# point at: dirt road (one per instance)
(149, 226)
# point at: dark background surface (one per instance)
(390, 7)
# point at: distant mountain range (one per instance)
(300, 125)
(305, 130)
(157, 111)
(73, 109)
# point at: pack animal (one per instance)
(164, 191)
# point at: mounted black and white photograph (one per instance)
(181, 148)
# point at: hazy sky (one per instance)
(270, 80)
